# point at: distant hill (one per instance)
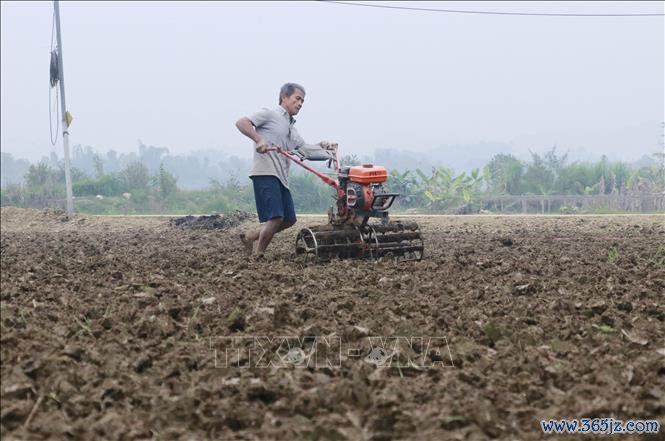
(458, 157)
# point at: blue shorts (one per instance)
(273, 200)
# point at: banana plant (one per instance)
(405, 184)
(444, 190)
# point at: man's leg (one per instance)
(264, 234)
(267, 232)
(248, 240)
(271, 198)
(264, 192)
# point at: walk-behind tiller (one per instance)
(360, 195)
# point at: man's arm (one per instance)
(246, 127)
(318, 152)
(323, 149)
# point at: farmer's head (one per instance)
(292, 97)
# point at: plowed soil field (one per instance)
(120, 328)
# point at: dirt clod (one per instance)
(507, 242)
(236, 320)
(213, 222)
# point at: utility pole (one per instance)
(66, 118)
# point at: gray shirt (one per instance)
(276, 127)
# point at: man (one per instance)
(270, 128)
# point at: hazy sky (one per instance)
(178, 75)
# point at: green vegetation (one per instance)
(134, 189)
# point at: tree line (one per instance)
(138, 188)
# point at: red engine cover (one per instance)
(368, 174)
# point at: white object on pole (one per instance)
(63, 107)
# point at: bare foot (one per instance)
(247, 243)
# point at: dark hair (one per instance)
(288, 89)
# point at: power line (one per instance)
(461, 11)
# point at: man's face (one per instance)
(293, 103)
